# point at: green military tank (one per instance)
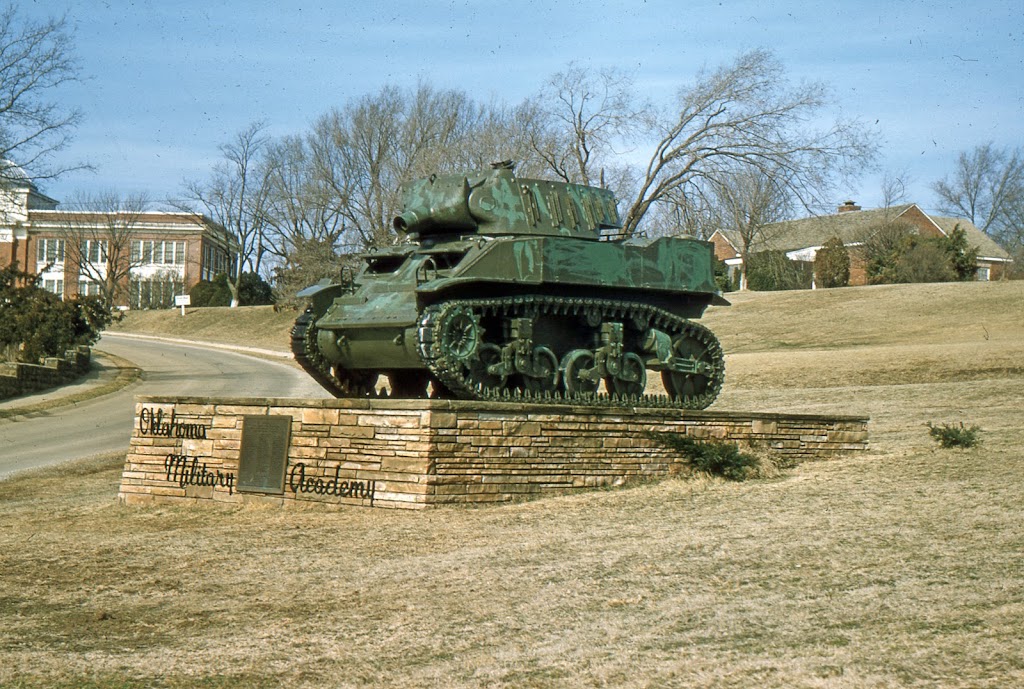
(508, 288)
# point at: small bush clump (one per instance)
(955, 435)
(35, 323)
(711, 456)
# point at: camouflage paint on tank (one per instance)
(497, 203)
(665, 264)
(506, 281)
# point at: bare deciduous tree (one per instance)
(306, 231)
(236, 197)
(745, 116)
(36, 60)
(987, 188)
(299, 207)
(339, 185)
(98, 231)
(583, 117)
(365, 152)
(894, 188)
(749, 203)
(363, 155)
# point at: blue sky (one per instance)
(168, 81)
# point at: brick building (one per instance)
(801, 239)
(162, 254)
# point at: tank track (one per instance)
(307, 355)
(452, 373)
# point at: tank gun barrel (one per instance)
(437, 203)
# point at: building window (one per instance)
(215, 262)
(50, 250)
(157, 292)
(54, 287)
(984, 274)
(88, 288)
(94, 251)
(158, 253)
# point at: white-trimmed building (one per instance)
(170, 251)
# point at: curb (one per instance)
(275, 353)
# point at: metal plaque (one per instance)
(264, 454)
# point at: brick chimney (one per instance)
(848, 206)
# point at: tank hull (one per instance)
(551, 312)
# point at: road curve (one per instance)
(104, 424)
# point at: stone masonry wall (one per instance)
(418, 453)
(19, 379)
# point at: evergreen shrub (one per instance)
(955, 435)
(710, 456)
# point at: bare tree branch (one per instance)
(744, 116)
(584, 117)
(987, 188)
(36, 60)
(236, 197)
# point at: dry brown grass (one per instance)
(897, 569)
(250, 326)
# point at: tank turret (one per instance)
(508, 287)
(496, 203)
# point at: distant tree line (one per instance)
(733, 150)
(892, 252)
(301, 205)
(739, 146)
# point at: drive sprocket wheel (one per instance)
(458, 334)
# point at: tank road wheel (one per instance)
(632, 379)
(699, 350)
(487, 355)
(544, 376)
(575, 367)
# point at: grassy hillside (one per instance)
(883, 335)
(900, 568)
(251, 326)
(940, 313)
(756, 322)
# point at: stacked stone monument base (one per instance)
(419, 453)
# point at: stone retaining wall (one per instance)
(419, 453)
(20, 379)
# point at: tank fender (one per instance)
(320, 287)
(321, 295)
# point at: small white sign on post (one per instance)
(182, 300)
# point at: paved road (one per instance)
(104, 424)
